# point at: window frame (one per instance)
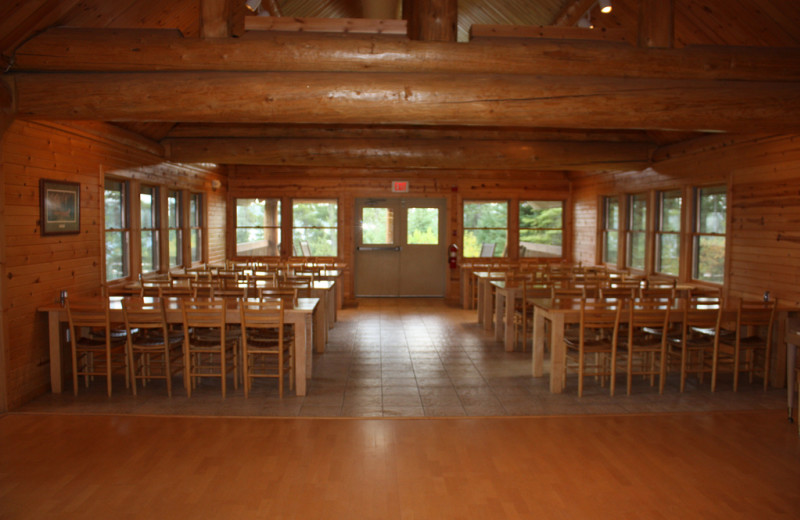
(124, 230)
(196, 223)
(154, 229)
(503, 251)
(634, 231)
(176, 229)
(276, 227)
(334, 229)
(659, 231)
(697, 235)
(522, 229)
(607, 229)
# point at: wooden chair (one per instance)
(202, 287)
(645, 343)
(154, 351)
(208, 351)
(751, 341)
(615, 293)
(267, 352)
(695, 349)
(594, 352)
(95, 350)
(301, 283)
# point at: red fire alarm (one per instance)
(400, 186)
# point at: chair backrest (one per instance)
(153, 287)
(487, 250)
(600, 318)
(261, 314)
(262, 279)
(203, 287)
(286, 294)
(139, 313)
(302, 284)
(756, 313)
(203, 312)
(614, 293)
(571, 292)
(648, 312)
(91, 313)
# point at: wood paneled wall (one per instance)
(763, 177)
(347, 185)
(37, 267)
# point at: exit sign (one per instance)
(400, 186)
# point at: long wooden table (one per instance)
(567, 311)
(505, 296)
(305, 318)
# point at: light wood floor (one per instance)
(725, 465)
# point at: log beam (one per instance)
(215, 19)
(63, 49)
(656, 23)
(415, 99)
(416, 154)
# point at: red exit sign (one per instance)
(400, 186)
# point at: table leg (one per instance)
(557, 353)
(486, 287)
(54, 332)
(510, 300)
(791, 360)
(537, 347)
(499, 312)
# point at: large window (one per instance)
(149, 221)
(485, 228)
(637, 231)
(315, 227)
(117, 229)
(610, 229)
(196, 226)
(541, 228)
(668, 232)
(174, 227)
(708, 256)
(258, 227)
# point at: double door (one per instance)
(400, 247)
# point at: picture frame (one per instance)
(60, 207)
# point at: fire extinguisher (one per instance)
(452, 256)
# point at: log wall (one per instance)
(37, 267)
(763, 178)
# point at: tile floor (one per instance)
(412, 358)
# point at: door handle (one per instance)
(379, 248)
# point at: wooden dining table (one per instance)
(305, 317)
(506, 295)
(565, 311)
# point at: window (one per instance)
(610, 229)
(668, 232)
(377, 226)
(195, 226)
(149, 215)
(117, 230)
(709, 234)
(637, 231)
(174, 229)
(541, 228)
(485, 224)
(258, 227)
(422, 226)
(315, 227)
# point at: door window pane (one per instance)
(485, 224)
(377, 226)
(422, 226)
(541, 228)
(315, 227)
(258, 227)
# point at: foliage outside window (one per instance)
(174, 229)
(541, 228)
(195, 226)
(485, 222)
(709, 234)
(422, 226)
(149, 222)
(116, 229)
(315, 227)
(258, 227)
(377, 226)
(637, 230)
(668, 232)
(610, 229)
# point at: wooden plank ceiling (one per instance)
(753, 23)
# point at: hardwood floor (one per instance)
(724, 465)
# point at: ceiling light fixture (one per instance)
(605, 6)
(585, 21)
(253, 5)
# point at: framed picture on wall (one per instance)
(60, 207)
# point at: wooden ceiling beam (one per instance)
(151, 50)
(424, 154)
(413, 99)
